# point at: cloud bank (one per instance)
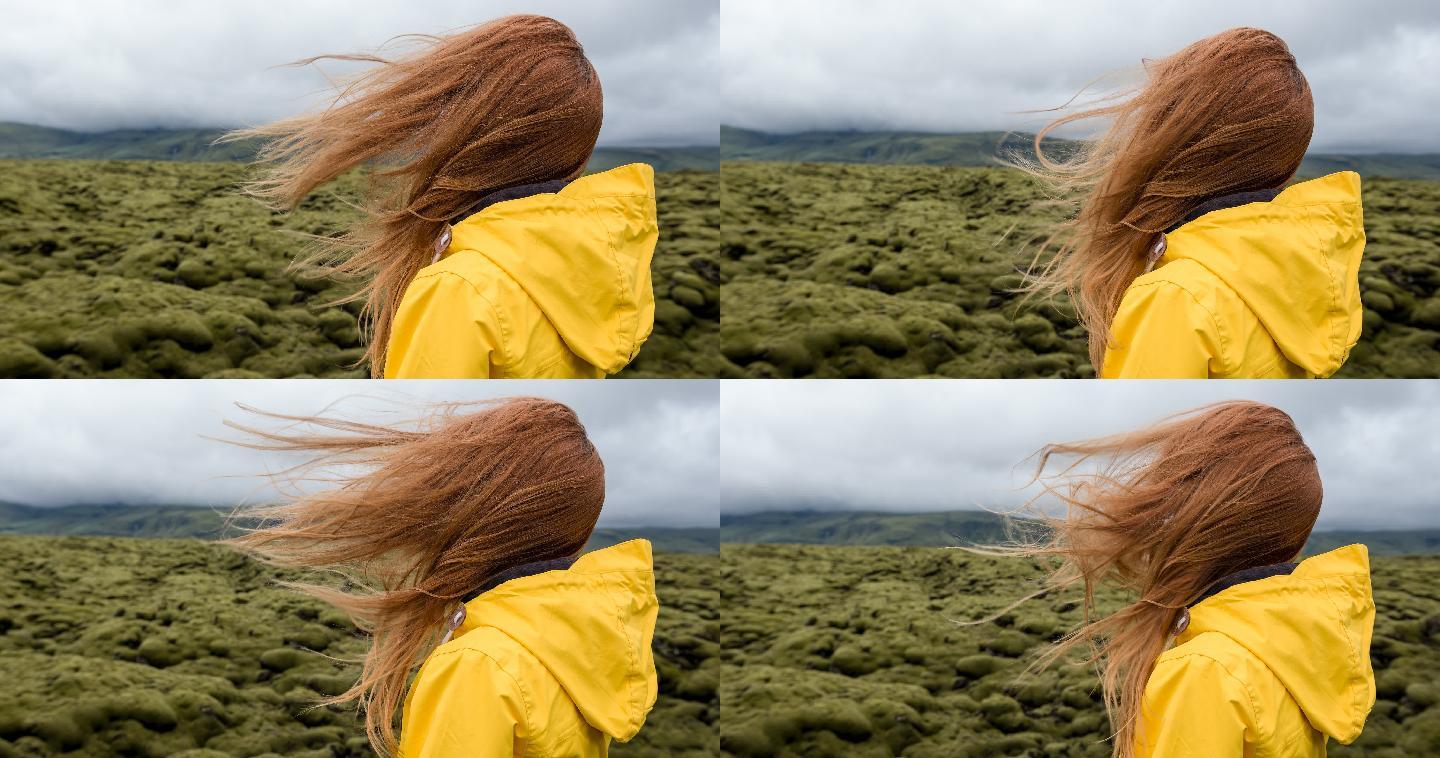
(88, 66)
(144, 442)
(925, 445)
(933, 65)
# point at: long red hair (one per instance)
(510, 102)
(1229, 113)
(1164, 512)
(427, 516)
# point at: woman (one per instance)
(482, 252)
(1233, 645)
(1188, 257)
(459, 541)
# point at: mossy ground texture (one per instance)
(148, 647)
(834, 270)
(854, 651)
(140, 269)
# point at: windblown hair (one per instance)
(510, 102)
(1230, 113)
(429, 517)
(1165, 512)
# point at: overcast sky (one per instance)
(938, 65)
(140, 442)
(87, 65)
(930, 445)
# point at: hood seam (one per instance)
(631, 685)
(1353, 652)
(1336, 351)
(629, 314)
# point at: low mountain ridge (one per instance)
(199, 522)
(981, 149)
(966, 528)
(27, 142)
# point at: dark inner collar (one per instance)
(1248, 575)
(1225, 201)
(510, 193)
(523, 570)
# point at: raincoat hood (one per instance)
(591, 626)
(1311, 629)
(1294, 261)
(582, 255)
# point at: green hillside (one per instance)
(856, 651)
(938, 529)
(980, 149)
(924, 148)
(147, 648)
(192, 522)
(955, 528)
(28, 141)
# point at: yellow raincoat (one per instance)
(554, 285)
(1263, 290)
(554, 664)
(1272, 667)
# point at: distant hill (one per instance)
(924, 148)
(980, 148)
(939, 529)
(952, 528)
(179, 521)
(167, 521)
(27, 141)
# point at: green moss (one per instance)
(976, 666)
(108, 611)
(282, 659)
(179, 276)
(925, 688)
(21, 361)
(809, 246)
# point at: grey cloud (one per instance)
(933, 65)
(913, 445)
(144, 442)
(94, 66)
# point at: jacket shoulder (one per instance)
(1211, 648)
(1192, 278)
(1214, 302)
(468, 271)
(486, 646)
(1211, 665)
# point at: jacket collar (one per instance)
(510, 193)
(1233, 200)
(523, 570)
(1247, 575)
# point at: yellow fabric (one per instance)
(554, 664)
(555, 285)
(1264, 290)
(1273, 667)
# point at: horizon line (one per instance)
(1024, 133)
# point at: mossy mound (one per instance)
(834, 270)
